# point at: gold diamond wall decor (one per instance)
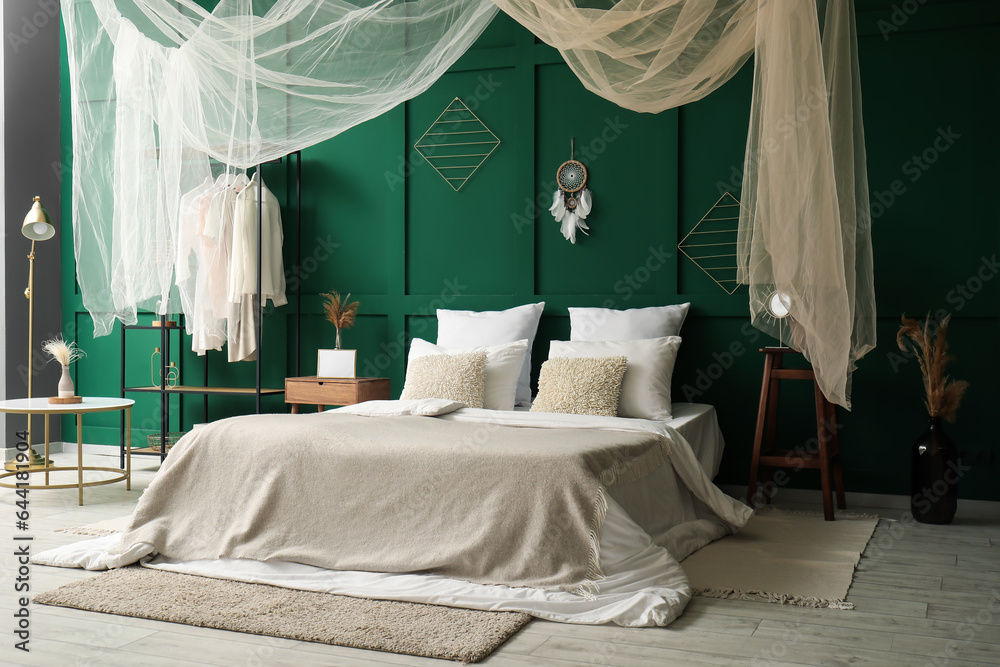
(711, 245)
(457, 144)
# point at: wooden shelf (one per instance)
(144, 451)
(219, 391)
(149, 326)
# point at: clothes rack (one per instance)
(258, 391)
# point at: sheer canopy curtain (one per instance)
(805, 224)
(161, 86)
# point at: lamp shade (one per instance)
(37, 225)
(779, 305)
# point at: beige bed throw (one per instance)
(485, 503)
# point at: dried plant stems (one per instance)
(942, 394)
(340, 312)
(63, 352)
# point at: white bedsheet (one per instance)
(679, 510)
(644, 587)
(699, 424)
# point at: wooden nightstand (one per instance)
(326, 391)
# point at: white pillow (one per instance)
(468, 328)
(593, 324)
(646, 387)
(503, 368)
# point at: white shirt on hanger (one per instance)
(211, 310)
(243, 268)
(216, 263)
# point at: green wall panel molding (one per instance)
(631, 162)
(347, 210)
(380, 223)
(447, 231)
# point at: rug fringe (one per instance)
(774, 598)
(839, 514)
(83, 530)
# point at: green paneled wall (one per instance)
(380, 223)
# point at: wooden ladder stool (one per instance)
(825, 455)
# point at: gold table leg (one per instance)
(46, 461)
(128, 448)
(79, 454)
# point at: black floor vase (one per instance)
(935, 473)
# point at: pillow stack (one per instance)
(616, 363)
(501, 373)
(646, 337)
(467, 328)
(504, 338)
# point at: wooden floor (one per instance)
(925, 595)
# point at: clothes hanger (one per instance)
(241, 181)
(225, 178)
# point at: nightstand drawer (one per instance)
(323, 391)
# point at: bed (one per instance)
(652, 519)
(577, 510)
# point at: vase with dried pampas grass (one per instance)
(65, 353)
(935, 469)
(340, 312)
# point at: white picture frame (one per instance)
(336, 364)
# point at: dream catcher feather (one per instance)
(572, 201)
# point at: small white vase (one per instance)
(66, 388)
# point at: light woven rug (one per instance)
(99, 529)
(399, 627)
(785, 557)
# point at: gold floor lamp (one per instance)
(37, 226)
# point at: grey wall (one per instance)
(31, 156)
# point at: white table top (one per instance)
(41, 405)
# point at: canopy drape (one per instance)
(804, 229)
(160, 87)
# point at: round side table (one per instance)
(41, 406)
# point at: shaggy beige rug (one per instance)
(399, 627)
(785, 557)
(101, 528)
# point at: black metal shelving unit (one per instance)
(205, 389)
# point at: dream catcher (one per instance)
(572, 202)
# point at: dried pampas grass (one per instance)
(340, 312)
(943, 394)
(63, 352)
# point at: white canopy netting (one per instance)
(161, 87)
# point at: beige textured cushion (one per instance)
(455, 377)
(580, 385)
(503, 368)
(646, 387)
